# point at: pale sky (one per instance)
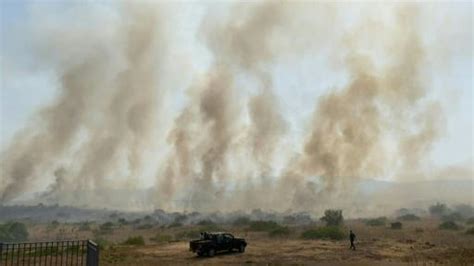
(28, 84)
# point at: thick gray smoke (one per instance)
(223, 142)
(207, 129)
(351, 125)
(108, 103)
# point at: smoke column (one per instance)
(108, 104)
(223, 142)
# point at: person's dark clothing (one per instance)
(352, 237)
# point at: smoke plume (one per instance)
(223, 145)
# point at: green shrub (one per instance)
(144, 226)
(106, 228)
(13, 232)
(135, 241)
(84, 226)
(470, 220)
(328, 232)
(175, 224)
(279, 232)
(409, 217)
(396, 225)
(241, 221)
(161, 238)
(454, 216)
(102, 242)
(449, 225)
(122, 221)
(333, 217)
(470, 231)
(210, 228)
(439, 209)
(265, 226)
(205, 222)
(380, 221)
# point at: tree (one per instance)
(438, 209)
(332, 217)
(13, 232)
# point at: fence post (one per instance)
(92, 258)
(1, 252)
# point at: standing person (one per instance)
(352, 237)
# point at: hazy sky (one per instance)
(28, 83)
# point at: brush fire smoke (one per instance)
(224, 145)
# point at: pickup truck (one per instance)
(211, 243)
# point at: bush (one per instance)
(175, 224)
(84, 226)
(470, 231)
(240, 221)
(135, 241)
(328, 232)
(454, 216)
(266, 226)
(449, 225)
(376, 222)
(280, 231)
(122, 221)
(409, 217)
(162, 238)
(396, 225)
(206, 222)
(106, 228)
(438, 209)
(332, 217)
(144, 226)
(470, 220)
(102, 242)
(13, 232)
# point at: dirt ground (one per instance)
(375, 246)
(417, 243)
(296, 252)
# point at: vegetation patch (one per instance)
(134, 241)
(102, 242)
(160, 238)
(380, 221)
(332, 217)
(144, 226)
(408, 217)
(279, 232)
(328, 232)
(470, 231)
(175, 224)
(263, 226)
(13, 232)
(241, 221)
(85, 226)
(454, 216)
(470, 220)
(396, 225)
(449, 225)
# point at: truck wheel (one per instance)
(199, 253)
(242, 249)
(211, 252)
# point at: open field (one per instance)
(418, 242)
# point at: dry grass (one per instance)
(375, 245)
